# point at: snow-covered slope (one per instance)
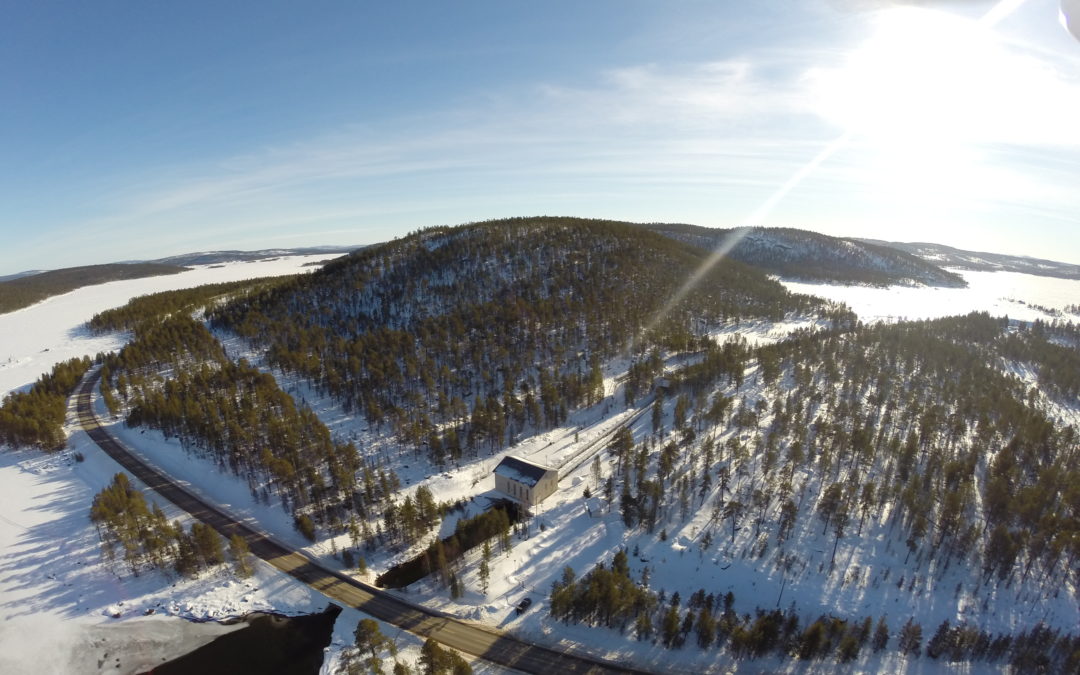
(58, 598)
(948, 256)
(57, 595)
(34, 339)
(808, 256)
(1018, 296)
(218, 257)
(752, 447)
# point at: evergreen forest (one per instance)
(927, 452)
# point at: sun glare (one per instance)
(922, 78)
(929, 94)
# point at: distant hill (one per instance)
(809, 256)
(20, 275)
(26, 290)
(947, 256)
(216, 257)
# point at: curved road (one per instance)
(482, 641)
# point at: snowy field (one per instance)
(999, 293)
(62, 608)
(57, 596)
(52, 573)
(35, 338)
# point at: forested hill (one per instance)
(514, 315)
(25, 291)
(218, 257)
(809, 256)
(940, 254)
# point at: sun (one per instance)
(922, 78)
(928, 101)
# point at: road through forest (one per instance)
(482, 641)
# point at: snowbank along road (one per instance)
(482, 641)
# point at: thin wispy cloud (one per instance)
(709, 141)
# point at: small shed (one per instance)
(525, 481)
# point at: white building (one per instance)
(524, 481)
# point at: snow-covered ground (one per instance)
(51, 573)
(1000, 293)
(35, 338)
(57, 596)
(759, 332)
(572, 531)
(63, 609)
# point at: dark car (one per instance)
(524, 605)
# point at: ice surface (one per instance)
(999, 293)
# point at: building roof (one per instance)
(521, 471)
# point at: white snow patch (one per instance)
(999, 293)
(38, 337)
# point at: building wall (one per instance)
(504, 484)
(529, 496)
(546, 487)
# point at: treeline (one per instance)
(25, 291)
(609, 596)
(854, 422)
(930, 438)
(142, 537)
(801, 254)
(440, 557)
(174, 377)
(407, 523)
(1054, 350)
(157, 306)
(921, 435)
(251, 427)
(605, 596)
(35, 418)
(465, 338)
(369, 644)
(161, 348)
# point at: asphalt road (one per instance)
(485, 642)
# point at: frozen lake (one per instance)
(999, 293)
(35, 338)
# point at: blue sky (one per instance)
(140, 130)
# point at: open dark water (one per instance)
(270, 645)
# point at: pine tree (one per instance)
(706, 628)
(669, 627)
(434, 660)
(643, 625)
(207, 543)
(485, 569)
(369, 637)
(241, 554)
(305, 526)
(910, 641)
